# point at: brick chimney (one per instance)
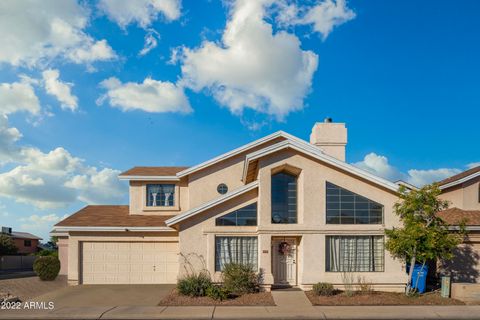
(330, 137)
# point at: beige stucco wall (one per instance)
(75, 240)
(197, 235)
(138, 197)
(62, 245)
(464, 196)
(465, 266)
(197, 188)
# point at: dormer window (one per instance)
(160, 195)
(284, 198)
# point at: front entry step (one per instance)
(282, 287)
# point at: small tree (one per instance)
(7, 246)
(424, 236)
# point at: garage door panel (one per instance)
(129, 262)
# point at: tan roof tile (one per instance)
(454, 216)
(111, 216)
(153, 171)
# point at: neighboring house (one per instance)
(25, 242)
(294, 210)
(463, 192)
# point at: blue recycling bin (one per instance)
(419, 278)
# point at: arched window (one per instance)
(284, 198)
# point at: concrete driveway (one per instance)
(107, 295)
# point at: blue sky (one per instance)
(80, 101)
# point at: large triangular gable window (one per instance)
(346, 207)
(246, 216)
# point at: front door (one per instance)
(284, 256)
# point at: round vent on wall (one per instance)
(222, 188)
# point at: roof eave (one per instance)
(459, 181)
(63, 229)
(313, 151)
(148, 178)
(236, 151)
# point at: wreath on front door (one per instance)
(284, 248)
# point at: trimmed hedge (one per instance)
(47, 268)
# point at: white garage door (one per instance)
(129, 262)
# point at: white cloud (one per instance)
(473, 165)
(53, 179)
(40, 224)
(92, 51)
(327, 15)
(380, 166)
(48, 218)
(8, 137)
(251, 67)
(149, 96)
(59, 89)
(34, 32)
(97, 186)
(324, 16)
(18, 96)
(422, 177)
(142, 12)
(151, 42)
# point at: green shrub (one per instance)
(239, 278)
(217, 292)
(194, 285)
(7, 245)
(323, 289)
(47, 268)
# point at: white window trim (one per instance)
(176, 199)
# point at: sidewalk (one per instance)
(317, 312)
(290, 305)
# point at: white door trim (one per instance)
(285, 267)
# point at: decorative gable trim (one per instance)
(460, 181)
(210, 204)
(315, 152)
(270, 137)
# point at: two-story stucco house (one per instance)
(463, 193)
(293, 209)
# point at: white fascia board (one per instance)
(150, 178)
(113, 229)
(468, 228)
(460, 181)
(318, 154)
(406, 184)
(212, 203)
(237, 151)
(54, 233)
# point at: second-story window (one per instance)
(284, 198)
(160, 195)
(346, 207)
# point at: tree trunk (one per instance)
(408, 289)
